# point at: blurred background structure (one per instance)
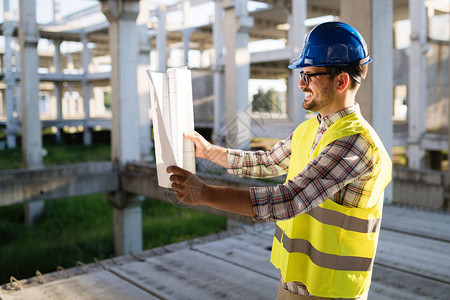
(79, 67)
(84, 71)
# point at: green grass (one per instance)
(68, 230)
(10, 159)
(165, 224)
(74, 153)
(58, 154)
(81, 228)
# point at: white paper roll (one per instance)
(173, 115)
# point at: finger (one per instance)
(176, 170)
(176, 179)
(191, 137)
(179, 195)
(177, 187)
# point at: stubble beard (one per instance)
(315, 104)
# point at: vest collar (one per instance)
(329, 120)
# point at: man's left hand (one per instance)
(187, 186)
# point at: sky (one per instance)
(44, 8)
(200, 15)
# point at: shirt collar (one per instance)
(330, 119)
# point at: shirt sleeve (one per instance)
(340, 163)
(260, 164)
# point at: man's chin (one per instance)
(307, 105)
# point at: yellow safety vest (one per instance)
(331, 249)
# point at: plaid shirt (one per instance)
(340, 172)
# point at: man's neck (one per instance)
(346, 101)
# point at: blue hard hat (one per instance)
(332, 44)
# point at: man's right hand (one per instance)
(206, 150)
(201, 144)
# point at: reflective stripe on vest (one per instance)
(331, 249)
(325, 260)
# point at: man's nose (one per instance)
(302, 84)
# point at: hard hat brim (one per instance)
(299, 63)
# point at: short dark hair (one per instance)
(356, 72)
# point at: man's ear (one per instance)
(343, 80)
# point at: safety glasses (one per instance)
(306, 76)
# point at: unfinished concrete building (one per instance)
(85, 71)
(61, 75)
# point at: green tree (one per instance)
(107, 99)
(266, 101)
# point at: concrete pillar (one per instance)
(86, 86)
(57, 11)
(219, 84)
(18, 102)
(29, 85)
(124, 41)
(237, 25)
(59, 115)
(58, 90)
(161, 40)
(7, 15)
(417, 83)
(17, 59)
(10, 81)
(186, 42)
(383, 77)
(186, 32)
(447, 189)
(70, 64)
(186, 12)
(67, 106)
(296, 37)
(145, 123)
(373, 19)
(358, 14)
(202, 57)
(128, 225)
(2, 100)
(57, 56)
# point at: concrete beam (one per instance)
(435, 141)
(141, 179)
(60, 77)
(21, 186)
(284, 54)
(103, 76)
(425, 188)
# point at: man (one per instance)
(329, 209)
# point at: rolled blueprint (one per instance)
(173, 114)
